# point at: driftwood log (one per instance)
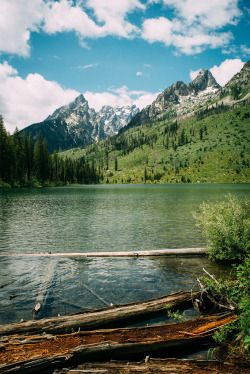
(44, 288)
(109, 317)
(21, 354)
(158, 252)
(153, 366)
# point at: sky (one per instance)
(114, 52)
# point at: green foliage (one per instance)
(227, 228)
(175, 152)
(25, 164)
(237, 292)
(177, 315)
(222, 334)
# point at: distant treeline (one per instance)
(24, 162)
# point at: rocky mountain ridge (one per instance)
(116, 118)
(76, 124)
(179, 99)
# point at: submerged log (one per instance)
(34, 354)
(44, 288)
(107, 317)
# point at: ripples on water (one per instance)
(117, 281)
(99, 218)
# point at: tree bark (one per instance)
(34, 354)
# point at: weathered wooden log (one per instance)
(107, 317)
(71, 349)
(158, 252)
(44, 288)
(171, 366)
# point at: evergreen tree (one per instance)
(18, 156)
(26, 155)
(31, 155)
(3, 151)
(55, 166)
(39, 167)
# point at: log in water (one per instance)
(109, 317)
(159, 252)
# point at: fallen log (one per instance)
(34, 354)
(108, 317)
(158, 252)
(169, 366)
(44, 288)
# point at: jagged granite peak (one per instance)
(178, 100)
(116, 118)
(76, 124)
(65, 110)
(203, 81)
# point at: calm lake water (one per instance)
(99, 218)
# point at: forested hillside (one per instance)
(212, 147)
(24, 163)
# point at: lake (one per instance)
(100, 218)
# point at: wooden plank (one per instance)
(107, 317)
(159, 252)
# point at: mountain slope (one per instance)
(116, 118)
(214, 149)
(179, 99)
(210, 146)
(77, 125)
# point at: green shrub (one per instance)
(235, 291)
(227, 228)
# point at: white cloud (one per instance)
(88, 19)
(212, 14)
(157, 29)
(187, 40)
(226, 70)
(86, 66)
(17, 19)
(245, 50)
(193, 73)
(146, 99)
(196, 42)
(141, 74)
(63, 16)
(113, 14)
(29, 100)
(196, 25)
(119, 97)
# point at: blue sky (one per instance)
(115, 52)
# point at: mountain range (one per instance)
(77, 125)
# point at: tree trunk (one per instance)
(34, 354)
(108, 317)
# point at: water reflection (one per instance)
(105, 218)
